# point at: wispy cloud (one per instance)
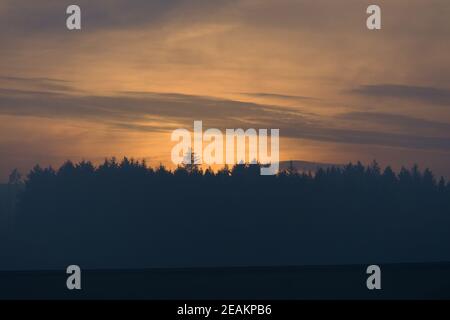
(398, 120)
(433, 95)
(276, 96)
(237, 63)
(38, 83)
(131, 111)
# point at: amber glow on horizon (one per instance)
(337, 92)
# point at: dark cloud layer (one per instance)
(397, 120)
(275, 53)
(38, 83)
(49, 16)
(440, 96)
(276, 96)
(128, 110)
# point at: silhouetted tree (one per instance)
(15, 178)
(123, 207)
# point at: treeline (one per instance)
(130, 178)
(130, 170)
(126, 214)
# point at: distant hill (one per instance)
(306, 166)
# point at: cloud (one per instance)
(276, 96)
(49, 16)
(361, 137)
(398, 121)
(433, 95)
(276, 53)
(38, 83)
(127, 107)
(158, 112)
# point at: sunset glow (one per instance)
(119, 86)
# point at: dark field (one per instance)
(402, 281)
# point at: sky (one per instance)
(139, 69)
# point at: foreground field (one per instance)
(405, 281)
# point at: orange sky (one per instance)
(139, 69)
